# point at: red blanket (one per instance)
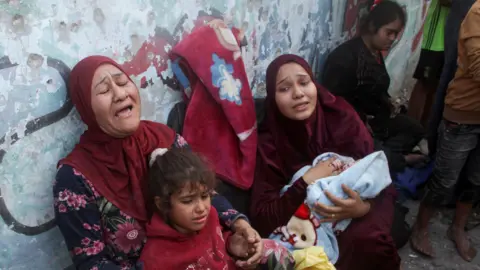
(220, 120)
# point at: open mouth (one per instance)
(124, 112)
(301, 106)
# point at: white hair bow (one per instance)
(157, 152)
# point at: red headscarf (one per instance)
(288, 145)
(115, 166)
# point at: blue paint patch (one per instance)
(182, 79)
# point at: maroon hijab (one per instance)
(116, 167)
(288, 145)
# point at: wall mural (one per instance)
(43, 39)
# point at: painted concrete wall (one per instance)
(41, 40)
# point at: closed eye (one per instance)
(123, 83)
(104, 91)
(187, 201)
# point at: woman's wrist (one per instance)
(306, 179)
(239, 224)
(363, 209)
(368, 207)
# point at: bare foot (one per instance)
(464, 247)
(420, 242)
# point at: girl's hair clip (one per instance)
(375, 3)
(157, 152)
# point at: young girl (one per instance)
(184, 231)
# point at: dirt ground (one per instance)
(447, 257)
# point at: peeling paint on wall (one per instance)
(43, 39)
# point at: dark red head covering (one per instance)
(288, 145)
(115, 166)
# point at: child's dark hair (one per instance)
(170, 172)
(383, 13)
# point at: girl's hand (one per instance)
(237, 246)
(353, 207)
(321, 170)
(255, 244)
(255, 253)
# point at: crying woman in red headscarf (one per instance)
(303, 120)
(99, 192)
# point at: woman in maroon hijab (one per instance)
(303, 120)
(99, 187)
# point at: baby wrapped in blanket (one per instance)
(367, 176)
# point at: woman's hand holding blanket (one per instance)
(353, 207)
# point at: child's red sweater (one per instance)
(168, 249)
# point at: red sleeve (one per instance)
(269, 210)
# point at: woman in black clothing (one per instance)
(356, 71)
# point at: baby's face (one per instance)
(340, 166)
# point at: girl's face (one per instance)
(384, 38)
(295, 92)
(190, 208)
